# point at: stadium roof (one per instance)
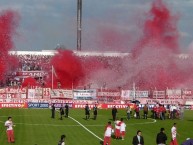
(78, 53)
(85, 53)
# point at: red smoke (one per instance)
(160, 30)
(111, 38)
(154, 63)
(28, 82)
(67, 69)
(8, 25)
(157, 50)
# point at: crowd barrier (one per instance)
(32, 105)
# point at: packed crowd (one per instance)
(158, 112)
(34, 62)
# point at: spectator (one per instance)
(66, 110)
(137, 112)
(128, 112)
(53, 111)
(87, 112)
(161, 137)
(138, 139)
(181, 112)
(61, 112)
(145, 111)
(95, 111)
(114, 112)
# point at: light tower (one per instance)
(79, 24)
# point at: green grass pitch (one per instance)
(36, 127)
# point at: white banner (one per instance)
(130, 94)
(159, 94)
(112, 94)
(176, 92)
(126, 95)
(3, 90)
(31, 93)
(142, 94)
(23, 96)
(85, 94)
(161, 101)
(38, 93)
(59, 93)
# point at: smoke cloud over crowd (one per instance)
(9, 21)
(153, 61)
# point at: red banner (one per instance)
(13, 105)
(105, 106)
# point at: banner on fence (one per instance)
(162, 101)
(85, 94)
(38, 105)
(13, 105)
(59, 105)
(105, 106)
(130, 94)
(62, 94)
(159, 94)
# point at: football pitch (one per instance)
(36, 127)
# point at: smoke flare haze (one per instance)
(153, 62)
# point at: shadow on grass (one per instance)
(101, 142)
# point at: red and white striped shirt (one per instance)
(108, 130)
(174, 132)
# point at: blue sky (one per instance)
(46, 23)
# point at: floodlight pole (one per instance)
(79, 24)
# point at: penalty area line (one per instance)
(154, 121)
(86, 128)
(62, 125)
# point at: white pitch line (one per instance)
(16, 115)
(86, 128)
(154, 121)
(51, 124)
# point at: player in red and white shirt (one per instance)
(10, 134)
(122, 128)
(117, 129)
(108, 133)
(174, 134)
